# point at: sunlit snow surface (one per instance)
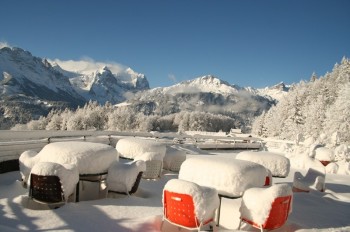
(314, 211)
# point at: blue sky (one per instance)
(248, 43)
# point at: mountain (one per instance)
(26, 75)
(205, 94)
(102, 85)
(276, 92)
(31, 86)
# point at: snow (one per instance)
(132, 147)
(278, 165)
(90, 158)
(314, 179)
(324, 154)
(26, 162)
(148, 156)
(314, 211)
(230, 177)
(205, 199)
(305, 162)
(257, 209)
(122, 176)
(67, 173)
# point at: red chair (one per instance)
(184, 209)
(258, 210)
(268, 179)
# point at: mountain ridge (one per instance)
(37, 83)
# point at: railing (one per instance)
(13, 143)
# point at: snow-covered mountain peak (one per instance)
(208, 83)
(105, 69)
(280, 86)
(276, 92)
(209, 80)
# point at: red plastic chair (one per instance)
(278, 214)
(179, 209)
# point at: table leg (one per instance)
(77, 192)
(218, 214)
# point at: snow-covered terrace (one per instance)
(314, 211)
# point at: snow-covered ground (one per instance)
(314, 211)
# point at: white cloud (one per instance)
(87, 65)
(172, 77)
(4, 44)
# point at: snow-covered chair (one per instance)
(188, 205)
(173, 159)
(266, 208)
(154, 164)
(26, 162)
(124, 178)
(53, 184)
(324, 155)
(313, 180)
(278, 165)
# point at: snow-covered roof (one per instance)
(278, 165)
(229, 176)
(132, 147)
(90, 158)
(67, 173)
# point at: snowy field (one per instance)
(314, 211)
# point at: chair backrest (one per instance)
(179, 209)
(46, 188)
(280, 209)
(153, 169)
(313, 173)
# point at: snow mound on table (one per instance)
(26, 162)
(256, 202)
(277, 164)
(324, 154)
(90, 158)
(122, 176)
(67, 173)
(305, 162)
(132, 147)
(229, 176)
(149, 156)
(205, 199)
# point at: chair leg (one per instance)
(240, 223)
(261, 228)
(161, 225)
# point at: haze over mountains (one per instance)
(31, 86)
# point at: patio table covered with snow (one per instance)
(278, 165)
(229, 176)
(90, 158)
